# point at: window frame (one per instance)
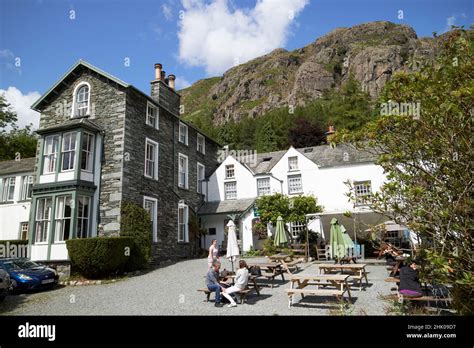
(185, 223)
(357, 192)
(49, 155)
(186, 176)
(26, 189)
(60, 219)
(68, 152)
(258, 188)
(226, 171)
(156, 117)
(155, 159)
(186, 134)
(290, 192)
(226, 191)
(23, 223)
(89, 153)
(199, 181)
(42, 220)
(296, 167)
(154, 220)
(83, 218)
(74, 112)
(203, 138)
(8, 189)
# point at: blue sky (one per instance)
(193, 39)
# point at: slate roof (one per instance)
(322, 155)
(21, 166)
(227, 206)
(72, 123)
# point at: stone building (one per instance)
(103, 142)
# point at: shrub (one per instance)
(136, 223)
(99, 256)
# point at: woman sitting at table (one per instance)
(241, 280)
(409, 283)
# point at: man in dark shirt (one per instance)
(409, 283)
(212, 282)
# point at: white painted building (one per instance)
(16, 183)
(320, 171)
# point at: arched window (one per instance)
(81, 100)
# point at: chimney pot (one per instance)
(163, 74)
(158, 68)
(171, 79)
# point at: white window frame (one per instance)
(227, 169)
(69, 151)
(22, 229)
(293, 163)
(201, 138)
(88, 151)
(227, 192)
(26, 187)
(53, 155)
(184, 224)
(362, 188)
(8, 189)
(74, 111)
(199, 180)
(156, 116)
(290, 191)
(82, 218)
(43, 219)
(153, 216)
(60, 219)
(155, 158)
(184, 185)
(260, 187)
(296, 228)
(183, 130)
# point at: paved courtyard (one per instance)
(172, 290)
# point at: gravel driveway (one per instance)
(171, 290)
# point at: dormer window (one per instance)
(81, 100)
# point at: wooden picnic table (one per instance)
(399, 260)
(302, 281)
(280, 257)
(273, 269)
(252, 281)
(357, 270)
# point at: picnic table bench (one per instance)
(269, 270)
(338, 281)
(291, 260)
(242, 294)
(356, 271)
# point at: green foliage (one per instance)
(16, 141)
(136, 223)
(100, 256)
(266, 138)
(428, 161)
(270, 249)
(305, 134)
(252, 252)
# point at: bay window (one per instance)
(87, 152)
(50, 153)
(63, 217)
(42, 219)
(68, 151)
(83, 216)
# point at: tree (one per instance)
(428, 158)
(17, 143)
(305, 134)
(266, 138)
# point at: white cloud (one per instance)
(167, 11)
(217, 36)
(181, 83)
(10, 61)
(452, 20)
(21, 104)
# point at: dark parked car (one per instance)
(4, 284)
(28, 275)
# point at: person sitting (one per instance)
(241, 280)
(212, 282)
(409, 282)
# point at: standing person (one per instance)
(409, 283)
(241, 280)
(212, 281)
(213, 253)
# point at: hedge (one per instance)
(99, 256)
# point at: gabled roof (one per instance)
(79, 63)
(226, 206)
(21, 166)
(322, 155)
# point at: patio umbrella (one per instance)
(280, 234)
(232, 246)
(337, 240)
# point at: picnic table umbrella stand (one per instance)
(232, 246)
(280, 234)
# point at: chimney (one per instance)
(171, 79)
(163, 74)
(158, 68)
